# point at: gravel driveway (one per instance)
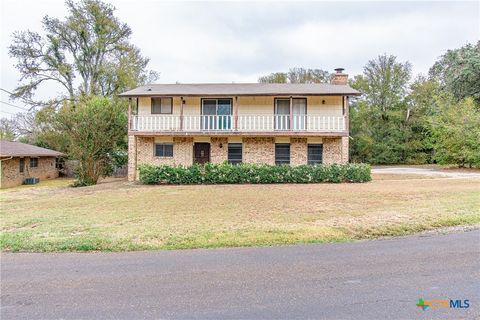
(426, 171)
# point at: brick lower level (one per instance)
(141, 150)
(11, 175)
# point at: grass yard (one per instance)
(116, 215)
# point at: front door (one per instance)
(201, 153)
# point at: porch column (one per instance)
(346, 114)
(291, 113)
(235, 111)
(181, 113)
(129, 114)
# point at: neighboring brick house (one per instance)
(19, 161)
(182, 124)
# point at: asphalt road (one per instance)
(365, 280)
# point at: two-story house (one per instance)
(182, 124)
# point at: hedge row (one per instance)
(252, 173)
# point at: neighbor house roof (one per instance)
(18, 149)
(241, 89)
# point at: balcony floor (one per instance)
(242, 133)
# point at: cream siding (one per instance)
(331, 108)
(255, 106)
(145, 106)
(251, 106)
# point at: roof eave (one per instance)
(31, 155)
(152, 94)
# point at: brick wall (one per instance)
(218, 149)
(259, 150)
(345, 149)
(335, 150)
(298, 151)
(255, 150)
(144, 151)
(11, 175)
(132, 158)
(183, 151)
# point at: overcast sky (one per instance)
(240, 41)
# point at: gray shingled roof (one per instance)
(240, 89)
(18, 149)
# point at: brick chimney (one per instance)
(339, 77)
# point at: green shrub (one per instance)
(253, 173)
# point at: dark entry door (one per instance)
(201, 153)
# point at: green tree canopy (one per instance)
(87, 53)
(95, 128)
(378, 117)
(456, 131)
(7, 129)
(297, 75)
(458, 71)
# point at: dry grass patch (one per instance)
(117, 215)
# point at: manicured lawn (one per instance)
(117, 215)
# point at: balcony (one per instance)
(240, 124)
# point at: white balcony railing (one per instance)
(243, 123)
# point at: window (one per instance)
(282, 113)
(22, 165)
(162, 105)
(33, 162)
(299, 111)
(163, 150)
(234, 153)
(282, 153)
(135, 106)
(315, 152)
(216, 114)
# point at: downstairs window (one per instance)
(234, 153)
(282, 153)
(163, 150)
(315, 152)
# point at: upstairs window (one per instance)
(315, 152)
(21, 165)
(234, 153)
(163, 150)
(216, 114)
(282, 153)
(282, 113)
(33, 162)
(162, 105)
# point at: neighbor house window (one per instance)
(162, 105)
(22, 165)
(315, 152)
(163, 150)
(235, 153)
(282, 153)
(33, 162)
